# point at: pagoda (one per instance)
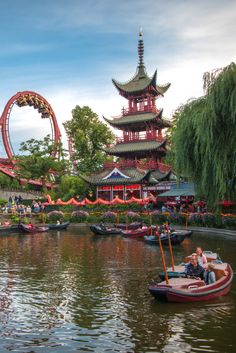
(140, 151)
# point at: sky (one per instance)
(69, 50)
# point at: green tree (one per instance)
(43, 160)
(71, 186)
(204, 138)
(89, 136)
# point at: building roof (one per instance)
(126, 176)
(137, 122)
(134, 147)
(183, 189)
(156, 176)
(141, 81)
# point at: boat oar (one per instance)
(170, 247)
(163, 259)
(150, 221)
(126, 221)
(186, 222)
(118, 218)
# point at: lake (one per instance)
(72, 291)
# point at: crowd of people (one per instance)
(15, 206)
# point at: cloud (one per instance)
(98, 41)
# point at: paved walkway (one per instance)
(226, 233)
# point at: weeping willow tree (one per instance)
(204, 137)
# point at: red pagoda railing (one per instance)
(152, 136)
(135, 110)
(164, 168)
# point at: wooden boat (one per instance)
(135, 233)
(103, 230)
(176, 238)
(134, 225)
(183, 290)
(179, 270)
(59, 226)
(29, 229)
(9, 228)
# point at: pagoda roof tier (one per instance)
(141, 82)
(138, 121)
(135, 148)
(117, 177)
(157, 176)
(126, 176)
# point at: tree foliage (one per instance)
(39, 163)
(89, 136)
(71, 186)
(204, 137)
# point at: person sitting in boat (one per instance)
(6, 223)
(102, 226)
(202, 259)
(209, 275)
(193, 269)
(30, 225)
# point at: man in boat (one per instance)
(193, 269)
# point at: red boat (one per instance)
(135, 233)
(32, 229)
(183, 290)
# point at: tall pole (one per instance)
(163, 259)
(150, 221)
(170, 247)
(186, 223)
(126, 221)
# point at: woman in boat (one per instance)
(193, 269)
(202, 259)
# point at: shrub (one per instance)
(229, 222)
(209, 219)
(55, 215)
(133, 216)
(79, 216)
(195, 219)
(159, 217)
(109, 216)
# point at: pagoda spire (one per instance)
(140, 49)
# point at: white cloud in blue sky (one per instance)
(68, 51)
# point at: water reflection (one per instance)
(73, 292)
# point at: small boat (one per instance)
(12, 228)
(59, 226)
(103, 230)
(185, 290)
(179, 270)
(135, 233)
(176, 238)
(133, 225)
(32, 229)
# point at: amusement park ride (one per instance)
(21, 99)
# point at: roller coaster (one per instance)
(21, 99)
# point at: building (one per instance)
(138, 168)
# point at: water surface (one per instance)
(71, 291)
